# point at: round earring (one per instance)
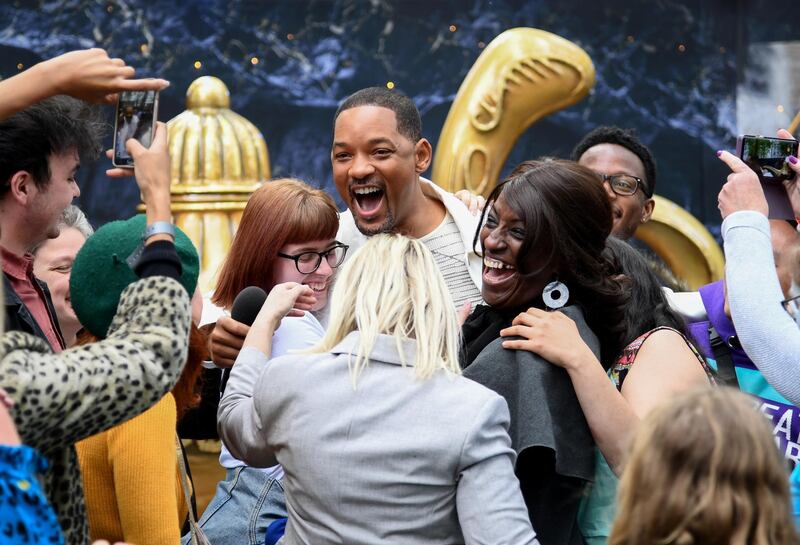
(555, 295)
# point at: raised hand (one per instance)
(151, 169)
(88, 75)
(226, 341)
(92, 76)
(792, 187)
(474, 203)
(743, 190)
(287, 299)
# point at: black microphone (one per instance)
(245, 308)
(248, 304)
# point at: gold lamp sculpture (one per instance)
(218, 159)
(523, 75)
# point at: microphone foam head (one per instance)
(247, 304)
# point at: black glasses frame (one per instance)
(320, 256)
(610, 179)
(786, 303)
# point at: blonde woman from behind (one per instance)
(704, 470)
(380, 438)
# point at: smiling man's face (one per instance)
(630, 211)
(375, 168)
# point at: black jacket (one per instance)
(19, 318)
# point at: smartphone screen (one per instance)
(767, 156)
(136, 118)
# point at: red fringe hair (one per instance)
(280, 212)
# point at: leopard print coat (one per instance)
(63, 398)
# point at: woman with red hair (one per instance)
(286, 234)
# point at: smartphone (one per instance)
(137, 113)
(767, 157)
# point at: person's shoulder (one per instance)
(294, 364)
(479, 403)
(474, 391)
(453, 205)
(211, 312)
(306, 321)
(348, 233)
(296, 333)
(689, 304)
(664, 339)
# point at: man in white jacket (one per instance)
(378, 155)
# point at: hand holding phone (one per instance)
(792, 185)
(767, 157)
(742, 191)
(152, 172)
(137, 113)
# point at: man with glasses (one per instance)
(628, 171)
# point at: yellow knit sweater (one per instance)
(132, 481)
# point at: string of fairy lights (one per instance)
(254, 60)
(390, 84)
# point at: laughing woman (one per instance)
(286, 235)
(542, 236)
(364, 423)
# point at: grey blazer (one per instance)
(397, 460)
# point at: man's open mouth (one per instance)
(368, 199)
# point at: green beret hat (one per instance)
(101, 272)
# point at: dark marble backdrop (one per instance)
(668, 68)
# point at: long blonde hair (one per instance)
(704, 470)
(392, 286)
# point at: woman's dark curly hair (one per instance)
(567, 217)
(648, 308)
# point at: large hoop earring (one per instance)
(555, 295)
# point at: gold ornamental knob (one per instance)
(218, 158)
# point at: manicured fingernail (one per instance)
(719, 152)
(792, 159)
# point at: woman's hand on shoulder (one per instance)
(552, 335)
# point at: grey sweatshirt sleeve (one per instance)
(769, 336)
(238, 422)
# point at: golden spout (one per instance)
(523, 75)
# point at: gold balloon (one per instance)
(218, 159)
(523, 75)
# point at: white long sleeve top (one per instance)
(768, 334)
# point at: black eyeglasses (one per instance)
(624, 185)
(308, 262)
(792, 306)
